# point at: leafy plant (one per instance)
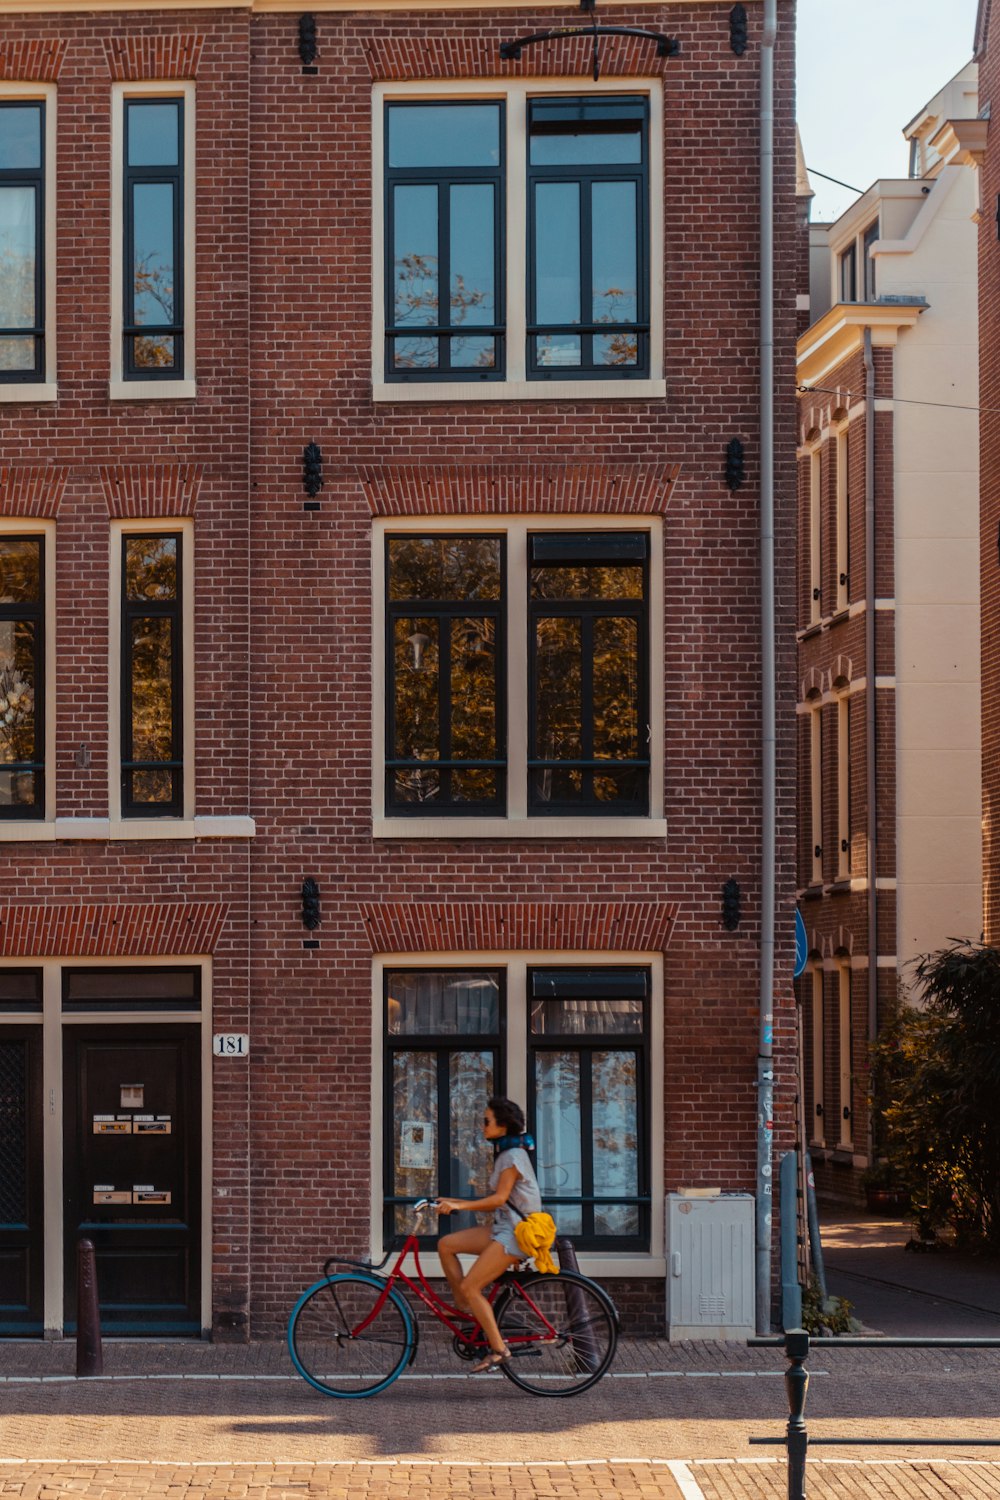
(831, 1315)
(936, 1081)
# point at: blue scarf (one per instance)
(509, 1142)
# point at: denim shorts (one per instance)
(502, 1230)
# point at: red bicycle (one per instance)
(353, 1333)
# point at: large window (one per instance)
(571, 1043)
(458, 678)
(22, 676)
(151, 654)
(516, 235)
(153, 218)
(22, 240)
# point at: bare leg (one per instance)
(492, 1263)
(450, 1246)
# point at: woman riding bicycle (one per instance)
(512, 1186)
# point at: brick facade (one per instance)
(283, 635)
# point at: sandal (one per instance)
(493, 1361)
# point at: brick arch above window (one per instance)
(34, 60)
(392, 58)
(843, 943)
(132, 491)
(125, 930)
(131, 58)
(34, 490)
(841, 674)
(518, 489)
(499, 926)
(811, 685)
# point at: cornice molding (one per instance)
(840, 333)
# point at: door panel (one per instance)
(21, 1234)
(133, 1173)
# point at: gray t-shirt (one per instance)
(524, 1194)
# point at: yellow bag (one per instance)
(535, 1235)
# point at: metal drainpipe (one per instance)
(870, 706)
(765, 1049)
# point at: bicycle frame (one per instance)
(425, 1293)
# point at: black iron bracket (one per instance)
(666, 46)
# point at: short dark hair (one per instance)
(508, 1114)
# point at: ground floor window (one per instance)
(571, 1043)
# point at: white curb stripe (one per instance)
(685, 1481)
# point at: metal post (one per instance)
(796, 1436)
(814, 1235)
(791, 1292)
(89, 1352)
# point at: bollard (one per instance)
(89, 1353)
(796, 1436)
(585, 1345)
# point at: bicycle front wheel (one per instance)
(350, 1335)
(562, 1332)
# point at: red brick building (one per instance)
(485, 667)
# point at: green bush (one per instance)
(834, 1314)
(935, 1089)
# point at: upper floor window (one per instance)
(868, 240)
(849, 275)
(151, 713)
(22, 240)
(22, 676)
(153, 241)
(476, 725)
(518, 233)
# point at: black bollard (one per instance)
(585, 1345)
(89, 1353)
(796, 1436)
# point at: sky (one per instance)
(865, 68)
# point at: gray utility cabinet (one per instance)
(710, 1266)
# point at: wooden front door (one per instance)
(133, 1173)
(21, 1233)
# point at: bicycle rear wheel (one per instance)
(343, 1342)
(562, 1332)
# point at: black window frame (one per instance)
(158, 608)
(847, 269)
(34, 612)
(446, 610)
(122, 1004)
(133, 177)
(9, 1006)
(868, 239)
(33, 177)
(587, 176)
(587, 1043)
(443, 179)
(441, 1046)
(593, 547)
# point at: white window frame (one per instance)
(30, 830)
(150, 827)
(817, 1126)
(185, 388)
(517, 824)
(516, 386)
(43, 390)
(845, 1136)
(52, 1020)
(842, 543)
(516, 965)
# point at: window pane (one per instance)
(558, 706)
(153, 134)
(473, 354)
(417, 706)
(473, 298)
(20, 570)
(444, 135)
(153, 252)
(20, 137)
(600, 143)
(17, 354)
(473, 689)
(557, 255)
(19, 788)
(586, 1017)
(557, 1128)
(558, 349)
(444, 567)
(17, 265)
(614, 1084)
(20, 989)
(415, 353)
(17, 695)
(616, 689)
(615, 258)
(414, 1129)
(448, 1002)
(151, 567)
(415, 256)
(587, 583)
(470, 1084)
(620, 348)
(152, 645)
(94, 986)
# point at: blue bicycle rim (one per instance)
(398, 1302)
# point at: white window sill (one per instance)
(470, 391)
(36, 391)
(519, 828)
(597, 1264)
(130, 828)
(152, 390)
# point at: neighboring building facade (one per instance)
(493, 685)
(895, 276)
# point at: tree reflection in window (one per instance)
(445, 674)
(21, 667)
(151, 667)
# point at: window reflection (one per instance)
(21, 663)
(151, 729)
